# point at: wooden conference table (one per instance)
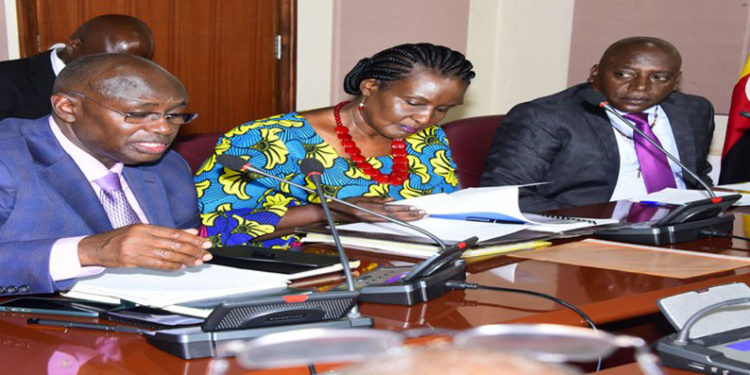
(618, 302)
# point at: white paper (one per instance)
(161, 288)
(445, 229)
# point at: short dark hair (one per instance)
(398, 62)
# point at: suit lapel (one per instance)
(599, 124)
(683, 137)
(149, 191)
(64, 176)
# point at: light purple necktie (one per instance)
(115, 203)
(657, 175)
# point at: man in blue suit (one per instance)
(94, 185)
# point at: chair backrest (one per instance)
(196, 148)
(470, 140)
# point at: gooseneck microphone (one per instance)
(239, 164)
(596, 98)
(314, 170)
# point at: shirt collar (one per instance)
(57, 63)
(89, 165)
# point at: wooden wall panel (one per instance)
(222, 50)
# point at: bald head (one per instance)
(637, 73)
(114, 75)
(644, 43)
(112, 33)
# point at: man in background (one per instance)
(26, 84)
(586, 155)
(95, 185)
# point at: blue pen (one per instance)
(654, 203)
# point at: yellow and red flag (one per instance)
(735, 157)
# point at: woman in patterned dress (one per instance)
(382, 146)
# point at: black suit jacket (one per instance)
(570, 143)
(25, 87)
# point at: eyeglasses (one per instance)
(543, 342)
(142, 118)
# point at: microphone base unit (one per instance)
(193, 342)
(667, 234)
(698, 357)
(386, 285)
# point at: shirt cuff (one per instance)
(64, 263)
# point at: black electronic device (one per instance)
(148, 317)
(695, 221)
(713, 334)
(676, 223)
(271, 260)
(55, 306)
(419, 283)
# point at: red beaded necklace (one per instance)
(400, 170)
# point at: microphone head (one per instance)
(309, 165)
(593, 97)
(230, 161)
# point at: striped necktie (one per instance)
(115, 203)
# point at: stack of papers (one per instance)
(168, 289)
(496, 205)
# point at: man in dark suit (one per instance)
(26, 84)
(95, 184)
(586, 155)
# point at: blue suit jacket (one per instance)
(44, 196)
(569, 143)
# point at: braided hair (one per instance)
(398, 62)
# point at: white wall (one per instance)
(520, 50)
(9, 44)
(314, 53)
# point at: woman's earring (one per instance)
(361, 105)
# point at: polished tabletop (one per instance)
(616, 301)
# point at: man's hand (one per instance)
(143, 245)
(396, 211)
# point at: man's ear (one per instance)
(369, 86)
(593, 73)
(677, 81)
(64, 107)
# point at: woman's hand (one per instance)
(344, 213)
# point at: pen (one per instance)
(653, 203)
(496, 221)
(96, 326)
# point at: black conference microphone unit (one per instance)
(686, 222)
(723, 352)
(391, 285)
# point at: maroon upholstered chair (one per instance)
(470, 141)
(196, 148)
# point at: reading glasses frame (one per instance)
(144, 118)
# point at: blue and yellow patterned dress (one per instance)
(238, 207)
